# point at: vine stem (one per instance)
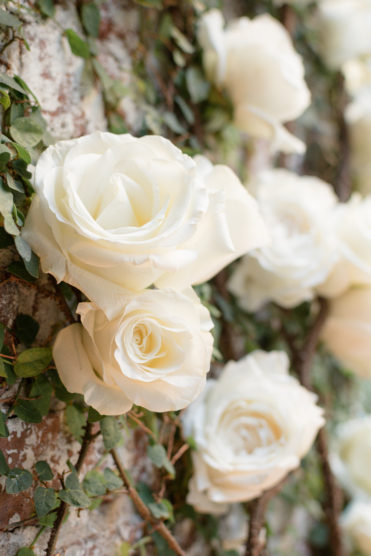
(62, 510)
(143, 510)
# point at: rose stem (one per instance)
(143, 510)
(62, 510)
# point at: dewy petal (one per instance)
(78, 376)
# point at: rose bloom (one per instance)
(254, 60)
(344, 29)
(351, 456)
(347, 331)
(297, 211)
(356, 521)
(251, 427)
(155, 354)
(115, 213)
(352, 231)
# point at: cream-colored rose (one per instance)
(254, 60)
(356, 521)
(155, 354)
(358, 118)
(347, 331)
(351, 456)
(352, 230)
(115, 213)
(344, 29)
(251, 427)
(297, 211)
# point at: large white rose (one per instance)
(116, 213)
(352, 230)
(155, 354)
(254, 60)
(347, 331)
(351, 456)
(251, 427)
(356, 521)
(297, 211)
(344, 29)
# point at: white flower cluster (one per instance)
(114, 215)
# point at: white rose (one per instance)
(255, 62)
(356, 521)
(155, 354)
(351, 456)
(347, 331)
(352, 230)
(116, 213)
(251, 427)
(297, 212)
(344, 29)
(358, 118)
(357, 75)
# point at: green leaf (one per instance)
(45, 500)
(4, 432)
(11, 83)
(46, 7)
(4, 100)
(33, 361)
(18, 480)
(161, 545)
(17, 268)
(124, 549)
(110, 431)
(173, 123)
(23, 248)
(6, 208)
(25, 551)
(43, 470)
(9, 20)
(145, 493)
(42, 390)
(162, 510)
(77, 44)
(48, 520)
(5, 239)
(26, 328)
(76, 421)
(75, 497)
(157, 454)
(22, 153)
(113, 481)
(198, 87)
(94, 483)
(94, 416)
(182, 41)
(28, 411)
(6, 371)
(15, 185)
(5, 156)
(90, 19)
(27, 131)
(32, 266)
(4, 467)
(72, 480)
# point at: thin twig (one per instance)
(62, 510)
(144, 511)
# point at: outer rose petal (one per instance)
(78, 376)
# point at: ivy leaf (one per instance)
(11, 83)
(4, 432)
(4, 100)
(5, 156)
(27, 131)
(26, 328)
(75, 497)
(90, 19)
(28, 411)
(6, 207)
(46, 7)
(18, 480)
(25, 551)
(197, 85)
(6, 371)
(42, 390)
(17, 268)
(32, 266)
(76, 421)
(48, 520)
(162, 509)
(112, 480)
(78, 46)
(45, 500)
(4, 467)
(110, 431)
(94, 415)
(32, 362)
(9, 20)
(94, 483)
(157, 454)
(43, 470)
(22, 153)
